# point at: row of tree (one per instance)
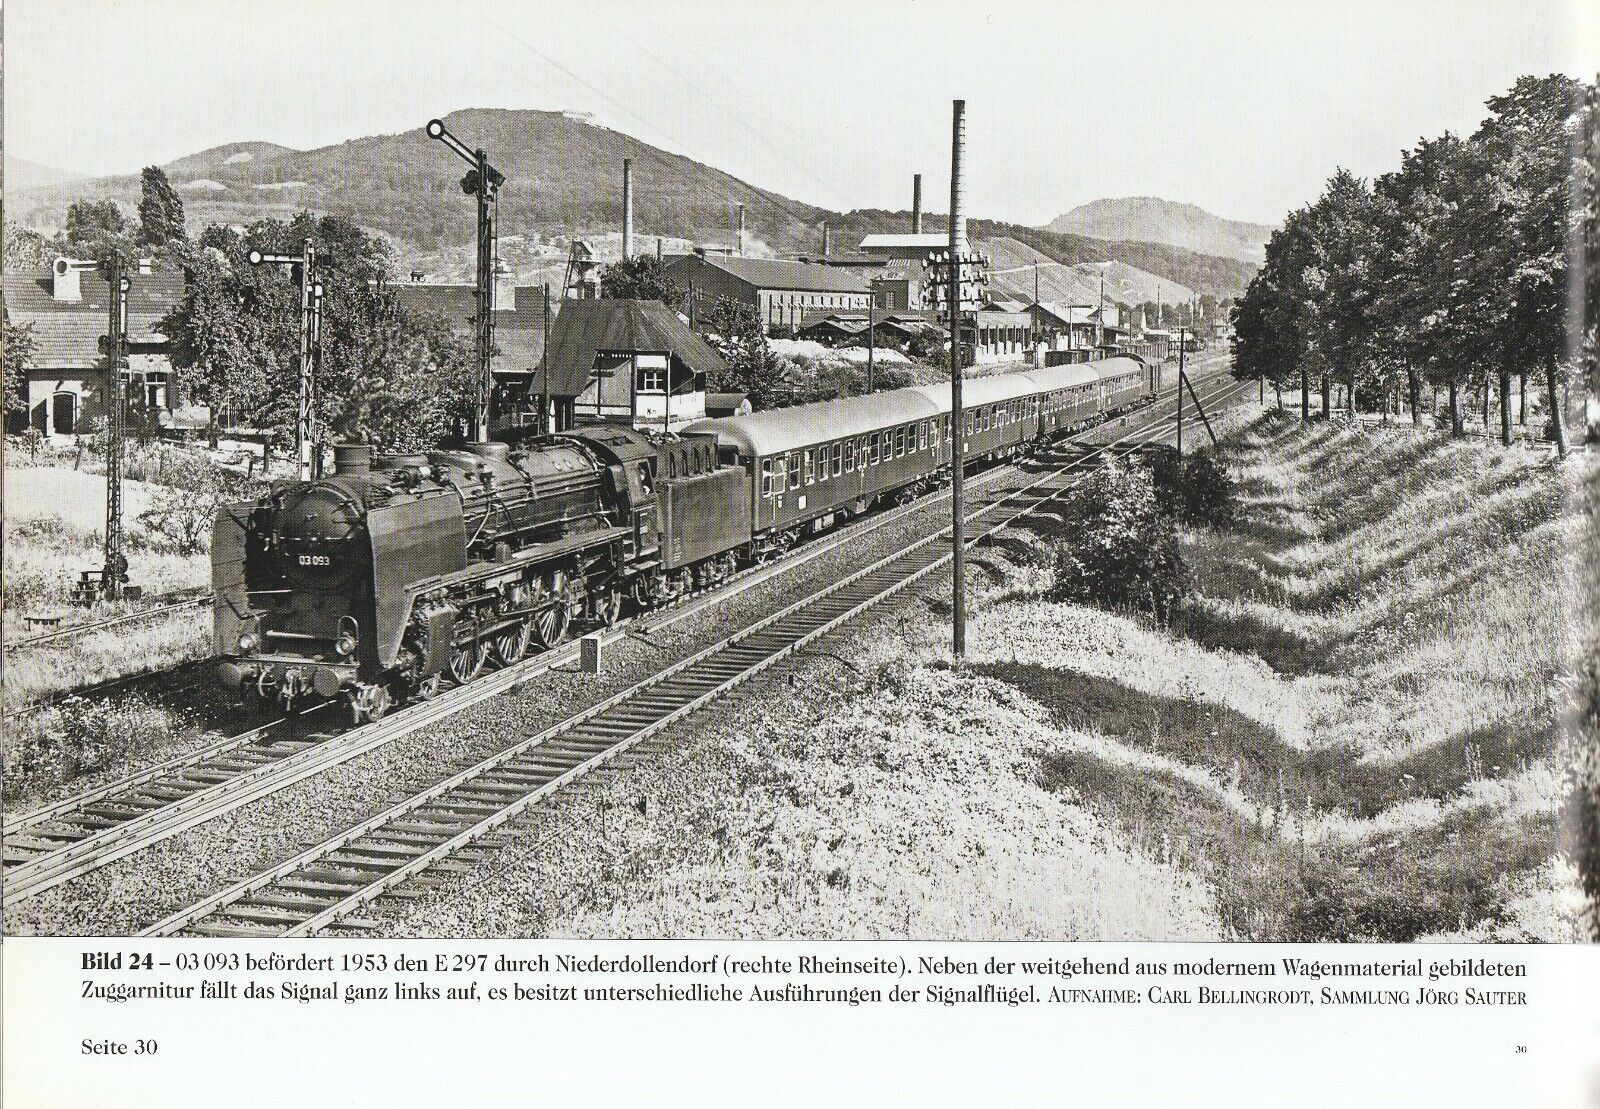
(1450, 272)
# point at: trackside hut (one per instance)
(627, 361)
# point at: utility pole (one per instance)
(483, 182)
(1181, 384)
(872, 326)
(958, 553)
(115, 573)
(304, 268)
(546, 420)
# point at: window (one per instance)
(794, 471)
(850, 457)
(805, 466)
(922, 436)
(899, 442)
(872, 450)
(766, 477)
(949, 429)
(838, 459)
(886, 446)
(652, 380)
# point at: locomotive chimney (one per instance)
(351, 458)
(627, 208)
(916, 204)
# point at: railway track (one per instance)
(49, 846)
(321, 887)
(73, 631)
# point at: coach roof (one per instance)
(779, 430)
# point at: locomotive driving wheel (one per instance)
(552, 622)
(467, 660)
(513, 643)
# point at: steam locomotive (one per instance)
(401, 572)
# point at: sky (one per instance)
(1241, 107)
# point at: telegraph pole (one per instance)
(872, 326)
(482, 182)
(958, 554)
(1181, 383)
(545, 421)
(304, 267)
(115, 573)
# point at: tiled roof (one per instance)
(67, 334)
(784, 273)
(584, 328)
(518, 334)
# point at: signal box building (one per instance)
(67, 309)
(627, 361)
(781, 290)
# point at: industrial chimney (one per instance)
(916, 204)
(741, 230)
(824, 242)
(627, 208)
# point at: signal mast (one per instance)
(482, 181)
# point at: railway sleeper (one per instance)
(336, 891)
(266, 914)
(217, 930)
(373, 849)
(310, 902)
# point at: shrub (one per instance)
(1194, 488)
(181, 512)
(1121, 550)
(80, 737)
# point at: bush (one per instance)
(181, 514)
(1121, 550)
(1195, 489)
(80, 737)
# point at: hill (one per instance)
(1011, 271)
(23, 174)
(1151, 219)
(563, 181)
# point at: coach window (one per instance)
(805, 466)
(766, 477)
(794, 471)
(899, 442)
(886, 446)
(850, 456)
(871, 453)
(922, 436)
(838, 459)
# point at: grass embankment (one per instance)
(1351, 733)
(55, 519)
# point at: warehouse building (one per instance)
(781, 291)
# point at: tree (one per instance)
(160, 211)
(385, 377)
(16, 352)
(97, 229)
(734, 329)
(642, 277)
(1344, 242)
(1528, 140)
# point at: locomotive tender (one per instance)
(396, 573)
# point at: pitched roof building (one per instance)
(629, 361)
(67, 307)
(781, 290)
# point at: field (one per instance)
(1352, 733)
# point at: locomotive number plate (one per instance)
(315, 560)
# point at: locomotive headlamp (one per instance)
(345, 644)
(247, 643)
